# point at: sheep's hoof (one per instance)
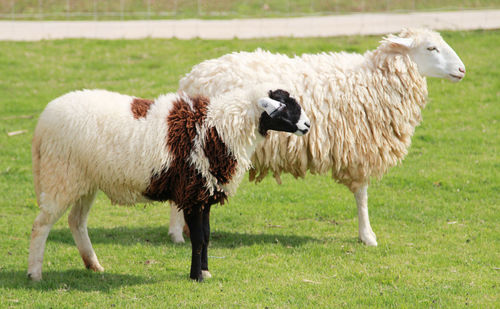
(371, 242)
(34, 277)
(176, 238)
(368, 238)
(93, 264)
(97, 268)
(206, 274)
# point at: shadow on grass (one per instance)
(158, 236)
(222, 239)
(81, 280)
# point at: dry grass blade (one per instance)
(13, 133)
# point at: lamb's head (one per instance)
(282, 113)
(433, 56)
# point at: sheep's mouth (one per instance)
(301, 132)
(457, 77)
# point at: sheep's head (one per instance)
(282, 113)
(433, 56)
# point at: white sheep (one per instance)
(190, 150)
(364, 108)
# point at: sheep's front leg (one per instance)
(366, 233)
(194, 220)
(206, 238)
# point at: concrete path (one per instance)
(319, 26)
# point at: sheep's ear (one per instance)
(269, 105)
(400, 42)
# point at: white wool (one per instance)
(92, 134)
(363, 108)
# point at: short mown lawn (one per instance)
(436, 216)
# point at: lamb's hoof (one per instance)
(93, 265)
(206, 274)
(198, 278)
(368, 238)
(176, 237)
(35, 277)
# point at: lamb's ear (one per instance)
(269, 105)
(397, 41)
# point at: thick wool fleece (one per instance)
(363, 108)
(187, 150)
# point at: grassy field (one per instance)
(136, 9)
(437, 216)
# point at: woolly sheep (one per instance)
(190, 150)
(364, 108)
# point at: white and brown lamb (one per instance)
(189, 150)
(364, 108)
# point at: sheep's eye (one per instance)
(432, 49)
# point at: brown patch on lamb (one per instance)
(180, 182)
(222, 163)
(140, 107)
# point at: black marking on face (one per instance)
(283, 119)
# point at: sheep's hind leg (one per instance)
(366, 233)
(50, 212)
(206, 238)
(77, 221)
(176, 224)
(194, 220)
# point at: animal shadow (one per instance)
(158, 236)
(224, 239)
(78, 279)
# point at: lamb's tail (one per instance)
(35, 157)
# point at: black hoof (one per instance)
(198, 278)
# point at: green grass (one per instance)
(137, 9)
(436, 216)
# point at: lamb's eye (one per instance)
(432, 49)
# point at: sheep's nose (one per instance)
(462, 70)
(307, 124)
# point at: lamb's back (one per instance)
(95, 131)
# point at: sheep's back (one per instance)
(96, 132)
(241, 70)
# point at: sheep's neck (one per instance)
(236, 125)
(397, 95)
(386, 95)
(400, 72)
